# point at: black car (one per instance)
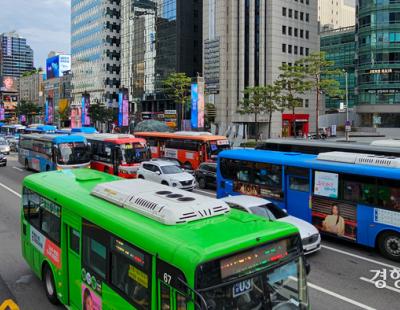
(206, 175)
(3, 160)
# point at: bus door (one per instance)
(298, 192)
(72, 227)
(171, 291)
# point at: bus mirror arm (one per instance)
(307, 266)
(203, 305)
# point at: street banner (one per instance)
(123, 108)
(85, 109)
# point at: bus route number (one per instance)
(242, 288)
(167, 278)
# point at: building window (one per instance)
(296, 32)
(307, 17)
(283, 29)
(301, 33)
(301, 50)
(307, 34)
(296, 14)
(295, 49)
(307, 51)
(283, 11)
(283, 48)
(290, 13)
(301, 15)
(289, 48)
(290, 31)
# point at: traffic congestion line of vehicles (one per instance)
(103, 241)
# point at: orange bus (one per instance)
(118, 154)
(189, 148)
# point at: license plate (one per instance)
(243, 287)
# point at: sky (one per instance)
(44, 23)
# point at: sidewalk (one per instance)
(7, 300)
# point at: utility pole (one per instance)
(347, 125)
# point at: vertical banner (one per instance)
(85, 109)
(2, 114)
(195, 98)
(200, 102)
(50, 111)
(123, 108)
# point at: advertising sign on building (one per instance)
(57, 65)
(197, 93)
(49, 111)
(195, 98)
(8, 84)
(85, 109)
(2, 116)
(123, 108)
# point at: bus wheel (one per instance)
(141, 177)
(49, 286)
(47, 168)
(389, 245)
(164, 183)
(202, 183)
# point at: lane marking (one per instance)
(390, 288)
(338, 296)
(360, 257)
(9, 304)
(10, 190)
(19, 169)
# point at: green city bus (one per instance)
(101, 242)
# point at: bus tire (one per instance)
(164, 183)
(47, 168)
(49, 285)
(26, 164)
(141, 177)
(389, 245)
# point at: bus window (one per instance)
(131, 273)
(165, 292)
(31, 207)
(359, 190)
(181, 303)
(298, 184)
(389, 194)
(74, 238)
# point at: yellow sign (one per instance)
(62, 105)
(138, 276)
(9, 304)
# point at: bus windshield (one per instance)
(73, 153)
(215, 147)
(283, 287)
(133, 153)
(270, 276)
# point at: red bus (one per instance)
(118, 154)
(190, 148)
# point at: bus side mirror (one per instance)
(308, 267)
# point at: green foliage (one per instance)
(292, 83)
(318, 71)
(100, 113)
(272, 101)
(27, 108)
(177, 87)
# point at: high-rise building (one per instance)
(245, 43)
(16, 56)
(31, 87)
(158, 37)
(95, 50)
(340, 47)
(336, 14)
(378, 70)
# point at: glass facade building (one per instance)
(378, 68)
(16, 56)
(158, 38)
(340, 47)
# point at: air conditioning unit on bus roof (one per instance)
(360, 159)
(161, 203)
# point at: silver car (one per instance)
(4, 147)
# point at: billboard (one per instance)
(49, 111)
(123, 108)
(55, 66)
(8, 84)
(85, 109)
(2, 112)
(197, 93)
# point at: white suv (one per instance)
(167, 173)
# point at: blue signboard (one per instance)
(195, 99)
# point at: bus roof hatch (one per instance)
(161, 203)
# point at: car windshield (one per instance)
(283, 288)
(3, 142)
(133, 153)
(171, 169)
(73, 153)
(269, 211)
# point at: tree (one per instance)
(100, 113)
(317, 70)
(272, 101)
(293, 84)
(28, 109)
(177, 86)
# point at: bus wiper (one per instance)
(203, 305)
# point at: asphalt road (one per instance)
(339, 279)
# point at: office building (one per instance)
(95, 50)
(31, 87)
(158, 38)
(245, 43)
(378, 70)
(336, 14)
(16, 56)
(340, 47)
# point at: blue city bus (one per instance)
(12, 130)
(84, 130)
(351, 196)
(41, 129)
(44, 152)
